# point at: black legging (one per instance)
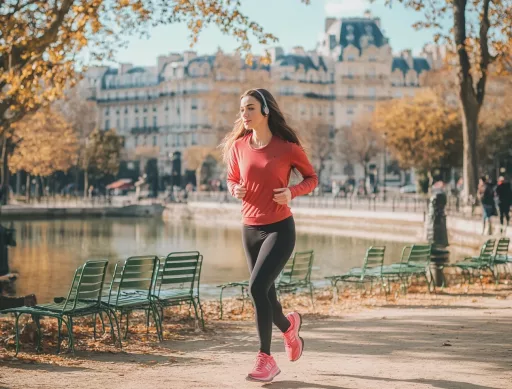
(504, 213)
(267, 249)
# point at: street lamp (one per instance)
(384, 136)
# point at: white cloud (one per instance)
(346, 7)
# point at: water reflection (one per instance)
(48, 252)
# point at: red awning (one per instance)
(123, 183)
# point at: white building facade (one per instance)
(168, 107)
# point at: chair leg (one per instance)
(117, 326)
(112, 332)
(36, 320)
(69, 324)
(17, 331)
(311, 295)
(220, 302)
(156, 318)
(59, 334)
(201, 310)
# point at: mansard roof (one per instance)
(297, 60)
(136, 70)
(353, 29)
(419, 65)
(209, 59)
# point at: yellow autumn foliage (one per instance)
(46, 143)
(421, 131)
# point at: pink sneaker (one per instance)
(293, 343)
(265, 369)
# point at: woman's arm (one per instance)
(233, 172)
(300, 161)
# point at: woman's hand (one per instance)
(282, 195)
(240, 191)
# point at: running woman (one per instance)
(260, 152)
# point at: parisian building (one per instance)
(187, 100)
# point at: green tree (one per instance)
(45, 144)
(102, 155)
(479, 35)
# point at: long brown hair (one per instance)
(276, 123)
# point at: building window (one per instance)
(137, 124)
(194, 138)
(118, 124)
(154, 108)
(126, 110)
(136, 109)
(194, 103)
(154, 121)
(154, 140)
(145, 122)
(136, 140)
(107, 111)
(372, 92)
(350, 93)
(107, 124)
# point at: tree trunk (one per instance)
(27, 189)
(4, 183)
(18, 182)
(86, 183)
(365, 167)
(470, 111)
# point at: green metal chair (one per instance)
(501, 257)
(178, 282)
(418, 264)
(83, 299)
(370, 271)
(131, 289)
(485, 260)
(296, 274)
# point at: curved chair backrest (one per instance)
(180, 271)
(502, 247)
(374, 257)
(87, 285)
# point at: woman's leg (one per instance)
(277, 246)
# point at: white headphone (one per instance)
(265, 109)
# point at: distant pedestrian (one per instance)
(486, 197)
(504, 194)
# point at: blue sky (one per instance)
(294, 23)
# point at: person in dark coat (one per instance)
(504, 194)
(486, 197)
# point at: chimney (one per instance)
(407, 55)
(298, 50)
(188, 56)
(329, 22)
(161, 61)
(124, 67)
(275, 52)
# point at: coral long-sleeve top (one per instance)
(263, 170)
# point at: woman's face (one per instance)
(250, 112)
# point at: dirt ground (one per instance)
(455, 340)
